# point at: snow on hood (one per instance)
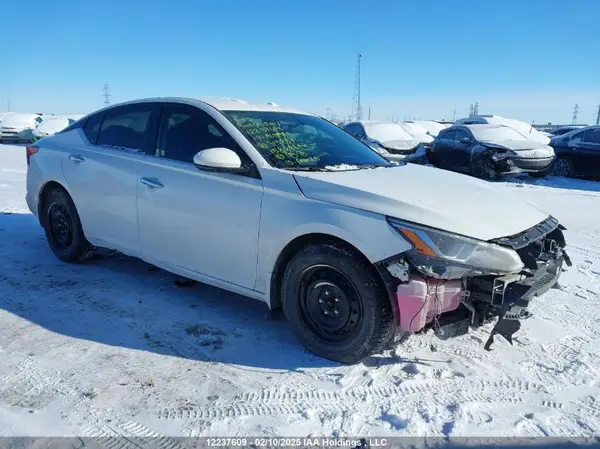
(51, 126)
(418, 132)
(400, 144)
(524, 148)
(426, 195)
(19, 120)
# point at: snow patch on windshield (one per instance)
(342, 167)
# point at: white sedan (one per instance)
(285, 207)
(50, 126)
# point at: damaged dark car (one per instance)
(490, 151)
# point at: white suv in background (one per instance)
(287, 208)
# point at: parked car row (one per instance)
(30, 127)
(486, 146)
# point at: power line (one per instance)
(356, 112)
(106, 94)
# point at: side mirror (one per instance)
(219, 159)
(465, 140)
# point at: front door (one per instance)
(462, 150)
(202, 221)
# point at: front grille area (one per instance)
(532, 164)
(522, 239)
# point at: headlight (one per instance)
(444, 255)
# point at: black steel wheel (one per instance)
(62, 227)
(482, 167)
(329, 303)
(563, 167)
(336, 304)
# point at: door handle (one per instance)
(76, 158)
(151, 183)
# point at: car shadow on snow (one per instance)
(122, 301)
(556, 182)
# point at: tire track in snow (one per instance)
(275, 402)
(129, 435)
(26, 385)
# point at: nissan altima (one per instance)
(285, 207)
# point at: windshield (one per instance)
(387, 131)
(288, 140)
(496, 133)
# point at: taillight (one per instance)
(30, 151)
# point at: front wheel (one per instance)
(482, 167)
(336, 304)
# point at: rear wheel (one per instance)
(336, 304)
(482, 167)
(63, 228)
(563, 166)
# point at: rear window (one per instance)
(92, 127)
(125, 127)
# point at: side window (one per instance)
(186, 130)
(460, 134)
(450, 135)
(360, 131)
(351, 129)
(592, 136)
(126, 127)
(576, 138)
(92, 127)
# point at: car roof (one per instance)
(222, 104)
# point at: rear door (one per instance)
(203, 221)
(101, 174)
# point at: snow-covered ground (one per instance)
(111, 347)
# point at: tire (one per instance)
(364, 322)
(563, 166)
(63, 228)
(482, 167)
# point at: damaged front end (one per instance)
(451, 283)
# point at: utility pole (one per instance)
(106, 94)
(598, 116)
(575, 113)
(454, 115)
(8, 104)
(471, 110)
(476, 108)
(369, 112)
(356, 106)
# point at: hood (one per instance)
(426, 195)
(524, 148)
(18, 121)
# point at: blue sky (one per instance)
(528, 59)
